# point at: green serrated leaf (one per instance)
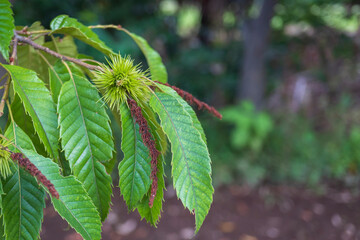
(6, 27)
(23, 205)
(74, 204)
(187, 107)
(23, 201)
(38, 104)
(191, 168)
(86, 138)
(152, 215)
(134, 169)
(157, 68)
(59, 74)
(24, 121)
(67, 25)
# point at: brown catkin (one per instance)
(34, 171)
(188, 97)
(149, 143)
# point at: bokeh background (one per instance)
(286, 76)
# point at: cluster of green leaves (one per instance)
(58, 120)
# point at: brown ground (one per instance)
(237, 214)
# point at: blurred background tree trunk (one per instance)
(256, 31)
(211, 19)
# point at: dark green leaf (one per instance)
(23, 201)
(67, 25)
(2, 230)
(152, 215)
(134, 169)
(86, 138)
(23, 205)
(6, 27)
(38, 104)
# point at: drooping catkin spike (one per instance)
(188, 97)
(34, 171)
(149, 143)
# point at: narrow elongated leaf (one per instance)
(23, 120)
(190, 158)
(23, 201)
(2, 230)
(6, 27)
(157, 68)
(67, 25)
(38, 104)
(59, 74)
(187, 107)
(74, 204)
(134, 169)
(23, 205)
(86, 138)
(152, 215)
(1, 193)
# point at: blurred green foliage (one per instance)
(284, 149)
(251, 127)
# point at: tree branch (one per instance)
(53, 53)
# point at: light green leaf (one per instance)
(23, 120)
(38, 104)
(187, 107)
(67, 25)
(59, 74)
(134, 169)
(157, 68)
(191, 168)
(65, 46)
(74, 204)
(23, 205)
(86, 138)
(1, 193)
(6, 27)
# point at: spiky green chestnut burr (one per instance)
(120, 80)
